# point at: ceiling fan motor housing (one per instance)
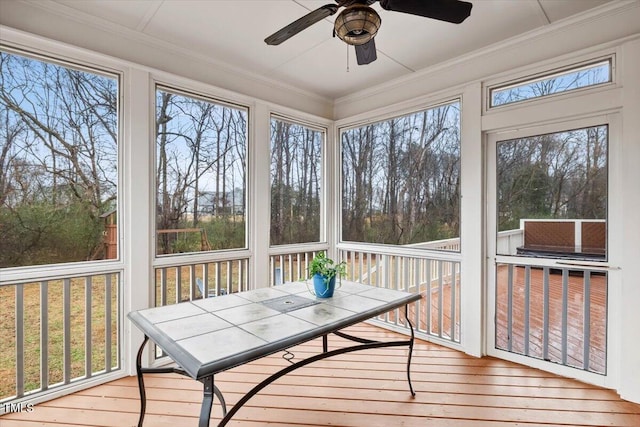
(357, 24)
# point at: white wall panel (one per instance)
(630, 240)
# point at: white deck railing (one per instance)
(439, 245)
(57, 332)
(509, 241)
(174, 283)
(289, 265)
(557, 314)
(181, 281)
(436, 276)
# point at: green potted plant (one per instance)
(323, 271)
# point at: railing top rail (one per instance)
(401, 251)
(555, 263)
(433, 243)
(523, 220)
(298, 248)
(35, 274)
(510, 232)
(200, 258)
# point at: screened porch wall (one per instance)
(464, 77)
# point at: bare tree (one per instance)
(295, 183)
(401, 178)
(559, 175)
(201, 154)
(59, 153)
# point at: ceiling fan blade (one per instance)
(454, 11)
(366, 53)
(300, 24)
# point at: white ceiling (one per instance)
(232, 32)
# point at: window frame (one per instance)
(542, 73)
(93, 64)
(559, 130)
(204, 94)
(409, 108)
(324, 181)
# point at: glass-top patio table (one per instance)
(211, 335)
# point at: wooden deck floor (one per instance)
(366, 388)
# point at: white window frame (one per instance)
(545, 69)
(390, 113)
(550, 74)
(324, 183)
(202, 256)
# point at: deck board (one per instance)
(366, 388)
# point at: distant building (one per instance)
(227, 203)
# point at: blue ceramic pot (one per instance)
(322, 288)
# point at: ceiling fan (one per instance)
(358, 23)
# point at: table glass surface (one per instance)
(213, 334)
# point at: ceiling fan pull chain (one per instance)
(347, 58)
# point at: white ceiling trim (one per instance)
(121, 31)
(589, 16)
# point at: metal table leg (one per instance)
(210, 390)
(408, 343)
(143, 396)
(406, 316)
(207, 401)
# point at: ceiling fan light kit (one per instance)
(357, 24)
